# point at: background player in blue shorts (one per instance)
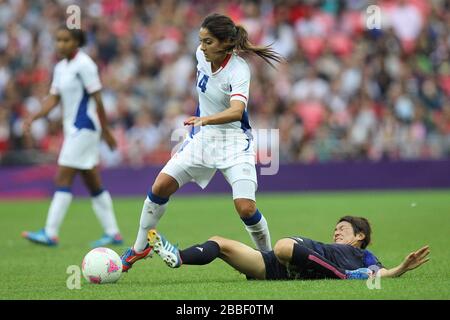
(295, 257)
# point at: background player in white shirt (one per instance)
(220, 137)
(76, 86)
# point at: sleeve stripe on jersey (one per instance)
(238, 94)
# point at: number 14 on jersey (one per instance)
(203, 81)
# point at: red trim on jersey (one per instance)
(238, 94)
(224, 63)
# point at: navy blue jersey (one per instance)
(342, 255)
(324, 261)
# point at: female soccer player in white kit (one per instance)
(76, 85)
(224, 141)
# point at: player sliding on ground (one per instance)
(294, 257)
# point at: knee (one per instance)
(164, 186)
(245, 207)
(222, 242)
(283, 249)
(62, 180)
(58, 181)
(159, 188)
(217, 239)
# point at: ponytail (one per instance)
(242, 44)
(223, 28)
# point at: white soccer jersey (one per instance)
(74, 80)
(215, 91)
(227, 147)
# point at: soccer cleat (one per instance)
(40, 237)
(131, 256)
(107, 240)
(167, 251)
(359, 274)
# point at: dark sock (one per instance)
(312, 265)
(200, 254)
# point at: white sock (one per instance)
(57, 211)
(104, 210)
(260, 235)
(150, 215)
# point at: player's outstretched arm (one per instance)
(48, 104)
(412, 261)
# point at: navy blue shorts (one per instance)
(277, 271)
(274, 269)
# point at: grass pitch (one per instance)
(401, 222)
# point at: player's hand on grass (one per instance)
(415, 259)
(195, 121)
(109, 139)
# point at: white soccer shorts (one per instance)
(199, 158)
(80, 150)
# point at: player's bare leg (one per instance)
(65, 177)
(241, 257)
(283, 250)
(164, 185)
(245, 207)
(238, 255)
(91, 179)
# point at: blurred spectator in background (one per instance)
(346, 93)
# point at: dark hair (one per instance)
(76, 34)
(223, 28)
(359, 224)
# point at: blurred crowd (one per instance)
(348, 90)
